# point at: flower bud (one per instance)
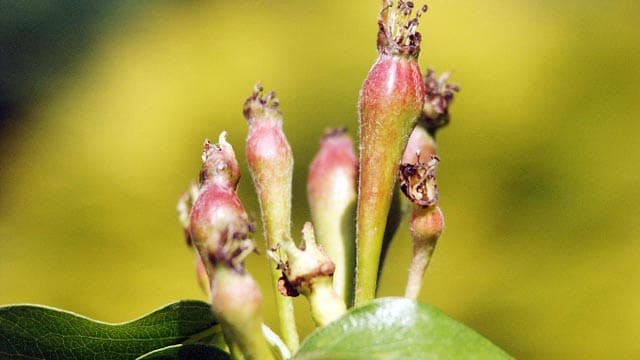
(391, 100)
(185, 203)
(271, 165)
(421, 146)
(331, 188)
(220, 228)
(219, 225)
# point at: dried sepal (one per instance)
(418, 181)
(397, 28)
(439, 94)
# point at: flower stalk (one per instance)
(418, 181)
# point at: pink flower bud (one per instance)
(271, 165)
(331, 188)
(219, 225)
(391, 100)
(270, 162)
(421, 147)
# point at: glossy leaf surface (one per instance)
(397, 328)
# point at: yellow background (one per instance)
(539, 179)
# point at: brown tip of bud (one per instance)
(261, 106)
(219, 164)
(397, 33)
(438, 96)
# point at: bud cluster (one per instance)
(350, 198)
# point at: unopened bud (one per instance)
(219, 225)
(331, 188)
(271, 165)
(420, 147)
(220, 228)
(270, 162)
(390, 102)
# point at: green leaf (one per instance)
(397, 328)
(39, 332)
(187, 352)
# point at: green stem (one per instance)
(284, 306)
(419, 263)
(378, 169)
(237, 302)
(325, 303)
(275, 204)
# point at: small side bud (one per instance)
(202, 277)
(418, 183)
(331, 189)
(308, 270)
(185, 204)
(421, 146)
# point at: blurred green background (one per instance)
(104, 107)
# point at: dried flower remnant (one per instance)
(308, 271)
(438, 96)
(418, 181)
